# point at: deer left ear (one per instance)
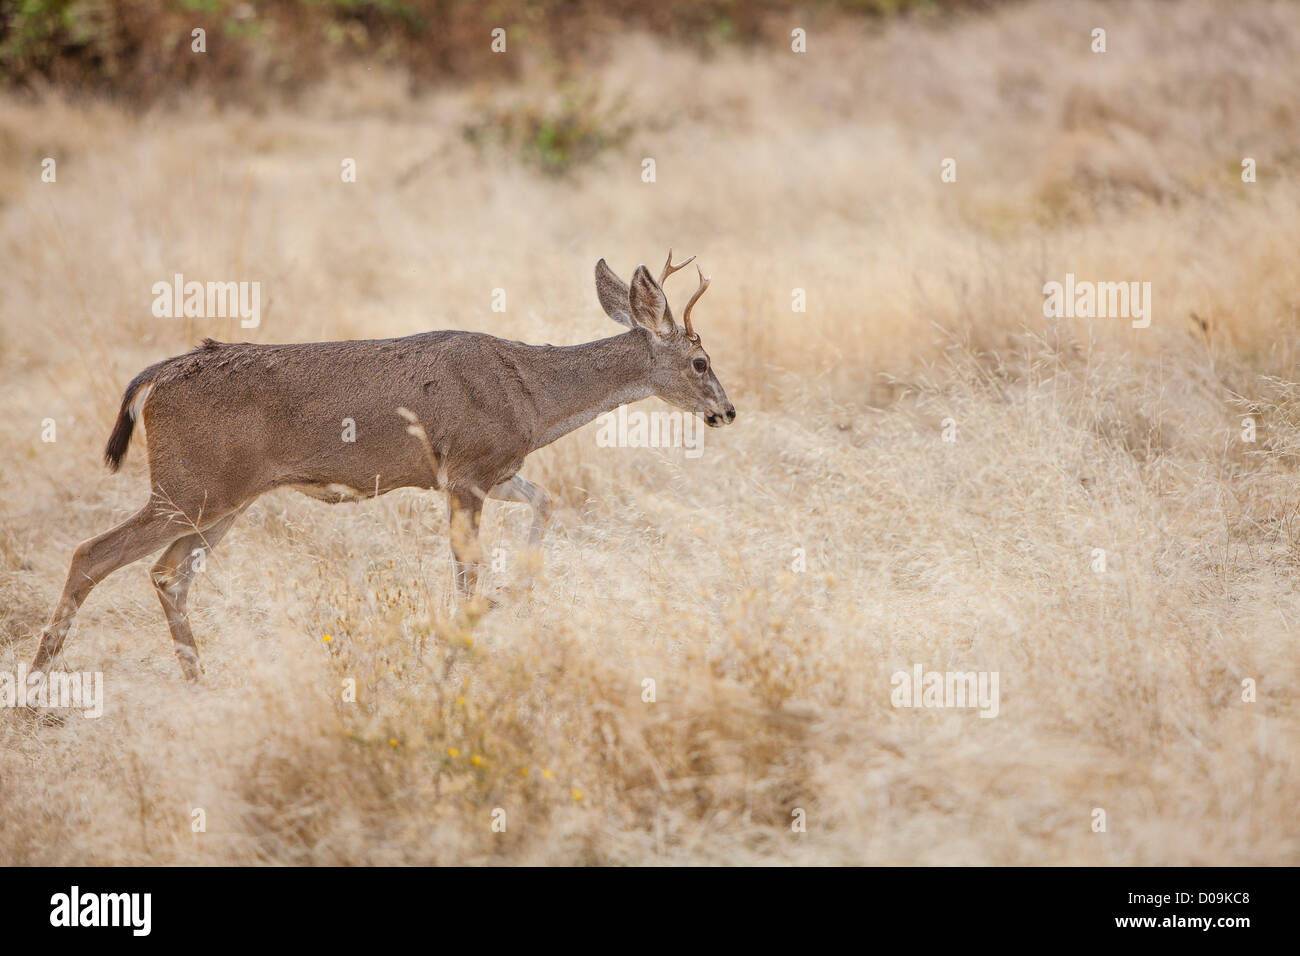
(612, 292)
(648, 304)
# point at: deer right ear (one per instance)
(613, 295)
(649, 306)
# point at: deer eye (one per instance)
(701, 365)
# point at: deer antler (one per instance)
(669, 268)
(686, 316)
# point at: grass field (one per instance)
(769, 587)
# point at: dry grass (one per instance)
(1120, 690)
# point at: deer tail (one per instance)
(133, 400)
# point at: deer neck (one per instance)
(584, 381)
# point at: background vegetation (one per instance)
(140, 49)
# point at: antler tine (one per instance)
(686, 316)
(669, 268)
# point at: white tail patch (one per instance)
(141, 397)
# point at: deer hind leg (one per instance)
(139, 535)
(465, 508)
(172, 576)
(536, 497)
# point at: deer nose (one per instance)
(731, 414)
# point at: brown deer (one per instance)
(456, 411)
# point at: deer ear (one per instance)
(612, 292)
(649, 306)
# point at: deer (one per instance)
(453, 411)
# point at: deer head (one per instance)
(681, 371)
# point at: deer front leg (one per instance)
(536, 497)
(465, 507)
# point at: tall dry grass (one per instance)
(1120, 690)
